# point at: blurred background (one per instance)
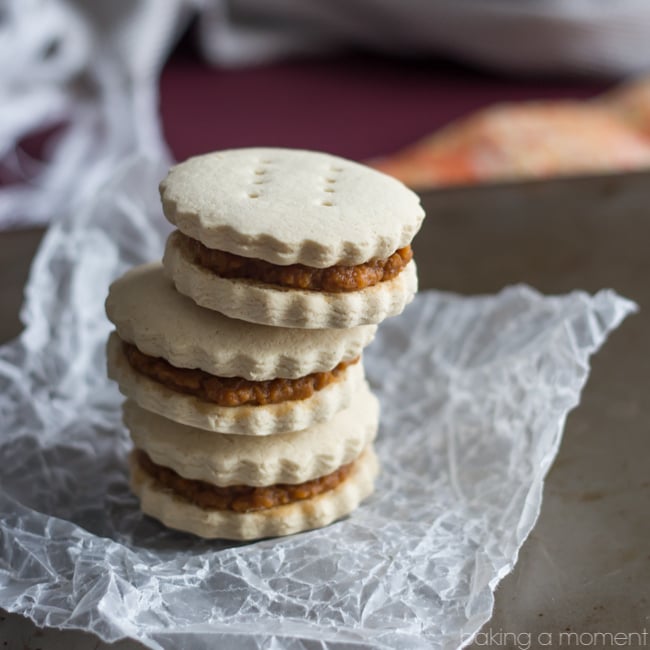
(85, 83)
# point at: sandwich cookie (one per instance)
(290, 238)
(200, 368)
(303, 507)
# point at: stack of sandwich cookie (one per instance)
(241, 430)
(260, 426)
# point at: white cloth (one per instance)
(94, 66)
(540, 36)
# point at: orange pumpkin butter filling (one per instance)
(239, 498)
(231, 391)
(333, 279)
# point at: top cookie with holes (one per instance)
(290, 238)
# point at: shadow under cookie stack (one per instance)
(240, 354)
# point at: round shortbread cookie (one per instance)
(292, 415)
(290, 206)
(267, 304)
(223, 460)
(316, 512)
(148, 312)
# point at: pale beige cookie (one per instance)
(149, 313)
(223, 460)
(291, 415)
(257, 302)
(316, 512)
(290, 206)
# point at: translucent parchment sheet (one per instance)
(474, 393)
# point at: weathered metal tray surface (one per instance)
(586, 567)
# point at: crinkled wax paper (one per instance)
(474, 394)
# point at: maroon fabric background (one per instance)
(356, 106)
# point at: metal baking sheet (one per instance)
(586, 566)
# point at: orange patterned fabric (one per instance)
(532, 140)
(631, 103)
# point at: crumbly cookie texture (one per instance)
(269, 419)
(148, 312)
(266, 304)
(290, 206)
(225, 460)
(307, 514)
